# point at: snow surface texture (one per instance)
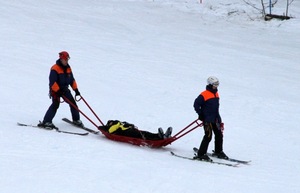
(145, 62)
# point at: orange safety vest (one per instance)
(209, 95)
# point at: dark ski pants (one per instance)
(208, 129)
(135, 133)
(50, 114)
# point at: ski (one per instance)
(56, 129)
(212, 162)
(84, 128)
(229, 159)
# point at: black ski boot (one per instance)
(220, 155)
(168, 132)
(161, 133)
(203, 158)
(78, 123)
(46, 125)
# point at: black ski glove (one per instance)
(62, 91)
(200, 117)
(77, 93)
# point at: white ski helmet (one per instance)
(212, 80)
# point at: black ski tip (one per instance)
(21, 124)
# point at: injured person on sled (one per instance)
(116, 127)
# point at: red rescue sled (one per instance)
(138, 141)
(152, 143)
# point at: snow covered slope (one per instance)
(145, 62)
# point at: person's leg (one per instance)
(218, 142)
(74, 112)
(50, 114)
(206, 139)
(218, 138)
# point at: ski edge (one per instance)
(212, 162)
(229, 159)
(84, 128)
(56, 129)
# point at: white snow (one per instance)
(145, 61)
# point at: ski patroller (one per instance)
(55, 128)
(229, 159)
(212, 162)
(70, 122)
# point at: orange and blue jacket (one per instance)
(207, 105)
(61, 77)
